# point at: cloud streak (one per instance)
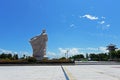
(72, 25)
(108, 25)
(102, 22)
(75, 51)
(5, 51)
(90, 17)
(71, 51)
(51, 55)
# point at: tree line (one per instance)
(9, 56)
(113, 55)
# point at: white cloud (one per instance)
(71, 51)
(102, 22)
(102, 49)
(62, 50)
(72, 25)
(5, 51)
(51, 55)
(108, 25)
(90, 17)
(75, 51)
(21, 53)
(103, 26)
(103, 17)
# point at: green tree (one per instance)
(31, 59)
(94, 57)
(103, 56)
(99, 57)
(62, 58)
(9, 56)
(3, 56)
(6, 56)
(15, 56)
(118, 54)
(112, 55)
(77, 57)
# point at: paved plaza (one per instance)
(69, 72)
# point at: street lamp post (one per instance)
(66, 54)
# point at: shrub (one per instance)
(31, 59)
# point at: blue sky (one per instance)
(74, 25)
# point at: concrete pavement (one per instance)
(74, 72)
(93, 72)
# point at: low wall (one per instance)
(96, 63)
